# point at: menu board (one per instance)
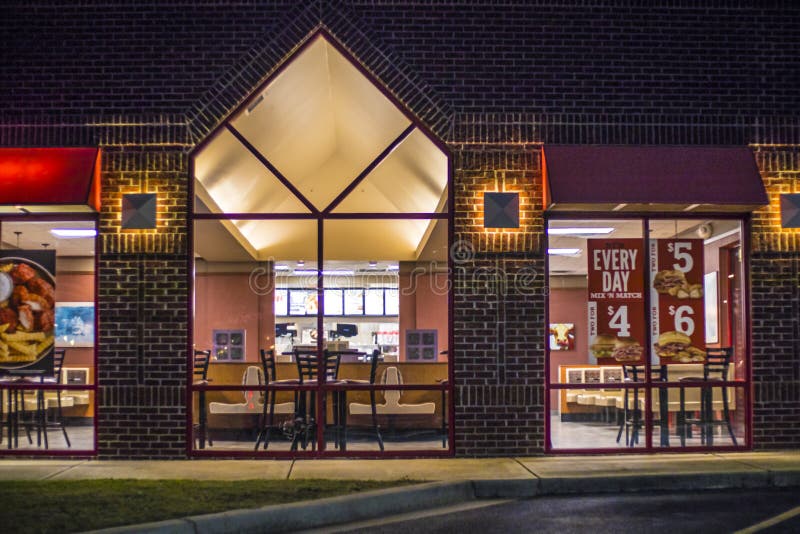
(333, 302)
(616, 301)
(373, 301)
(281, 302)
(303, 302)
(392, 302)
(354, 302)
(677, 311)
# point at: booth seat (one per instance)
(253, 399)
(392, 405)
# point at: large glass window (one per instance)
(647, 346)
(47, 334)
(321, 235)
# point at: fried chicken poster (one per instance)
(616, 301)
(27, 309)
(676, 301)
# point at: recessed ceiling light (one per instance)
(281, 268)
(73, 232)
(564, 251)
(580, 231)
(313, 272)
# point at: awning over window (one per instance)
(49, 180)
(652, 178)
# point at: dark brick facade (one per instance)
(148, 80)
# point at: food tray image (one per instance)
(27, 316)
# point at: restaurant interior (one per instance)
(607, 415)
(321, 228)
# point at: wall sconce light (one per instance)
(790, 210)
(139, 211)
(500, 210)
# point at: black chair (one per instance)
(308, 373)
(715, 370)
(38, 418)
(271, 385)
(202, 358)
(632, 420)
(374, 357)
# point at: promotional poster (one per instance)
(677, 301)
(616, 301)
(27, 309)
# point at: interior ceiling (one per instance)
(35, 235)
(320, 123)
(623, 228)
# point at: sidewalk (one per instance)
(454, 480)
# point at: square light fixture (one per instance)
(790, 210)
(139, 211)
(500, 210)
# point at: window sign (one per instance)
(333, 302)
(281, 302)
(676, 301)
(392, 302)
(616, 301)
(354, 302)
(373, 301)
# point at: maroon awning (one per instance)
(49, 179)
(651, 178)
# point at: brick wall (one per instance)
(498, 305)
(775, 275)
(142, 305)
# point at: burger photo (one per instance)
(669, 282)
(671, 344)
(627, 349)
(603, 345)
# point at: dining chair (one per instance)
(632, 420)
(35, 412)
(202, 358)
(270, 407)
(715, 369)
(308, 374)
(374, 358)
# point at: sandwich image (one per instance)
(673, 282)
(603, 345)
(670, 281)
(626, 349)
(671, 343)
(677, 346)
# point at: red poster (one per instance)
(616, 301)
(676, 301)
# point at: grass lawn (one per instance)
(80, 505)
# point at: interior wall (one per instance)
(76, 287)
(423, 305)
(569, 306)
(227, 302)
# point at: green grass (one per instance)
(80, 505)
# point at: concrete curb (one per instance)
(394, 501)
(314, 514)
